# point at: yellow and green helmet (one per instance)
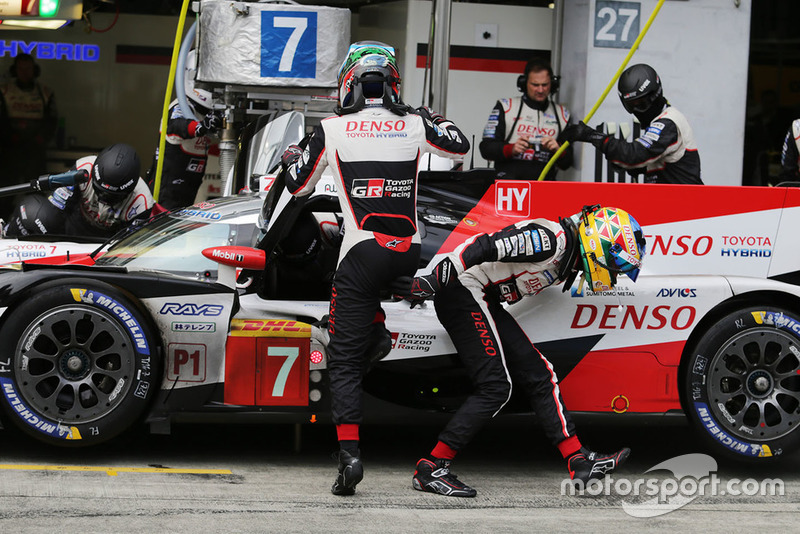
(611, 243)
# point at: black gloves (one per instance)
(209, 125)
(290, 156)
(581, 132)
(427, 113)
(424, 287)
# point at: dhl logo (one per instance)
(269, 328)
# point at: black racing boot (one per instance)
(586, 465)
(435, 476)
(350, 473)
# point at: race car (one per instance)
(217, 312)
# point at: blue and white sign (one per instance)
(288, 44)
(272, 45)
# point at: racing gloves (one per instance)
(290, 156)
(427, 113)
(426, 286)
(210, 124)
(582, 132)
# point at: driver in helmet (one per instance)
(471, 283)
(113, 197)
(188, 142)
(666, 149)
(373, 146)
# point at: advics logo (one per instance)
(677, 292)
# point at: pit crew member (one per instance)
(790, 154)
(114, 196)
(187, 144)
(523, 133)
(470, 285)
(666, 149)
(373, 145)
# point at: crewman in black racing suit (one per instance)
(373, 146)
(114, 196)
(187, 144)
(666, 149)
(471, 283)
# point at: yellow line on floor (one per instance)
(112, 471)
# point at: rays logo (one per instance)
(175, 308)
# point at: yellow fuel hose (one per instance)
(168, 98)
(610, 85)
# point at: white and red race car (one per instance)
(161, 329)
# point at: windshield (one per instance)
(175, 243)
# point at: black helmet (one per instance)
(115, 172)
(640, 89)
(35, 215)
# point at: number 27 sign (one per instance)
(616, 24)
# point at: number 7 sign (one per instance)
(281, 372)
(288, 44)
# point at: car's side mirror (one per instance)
(232, 259)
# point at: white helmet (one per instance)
(198, 96)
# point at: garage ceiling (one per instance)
(173, 7)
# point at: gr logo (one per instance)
(367, 188)
(513, 198)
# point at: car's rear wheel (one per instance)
(80, 364)
(742, 384)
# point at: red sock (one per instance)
(347, 432)
(443, 450)
(569, 446)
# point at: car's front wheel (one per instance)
(78, 364)
(742, 383)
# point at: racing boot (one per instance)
(586, 465)
(350, 473)
(433, 475)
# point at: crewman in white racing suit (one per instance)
(666, 149)
(114, 196)
(373, 145)
(524, 132)
(471, 283)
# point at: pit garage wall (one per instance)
(699, 47)
(116, 99)
(476, 79)
(700, 50)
